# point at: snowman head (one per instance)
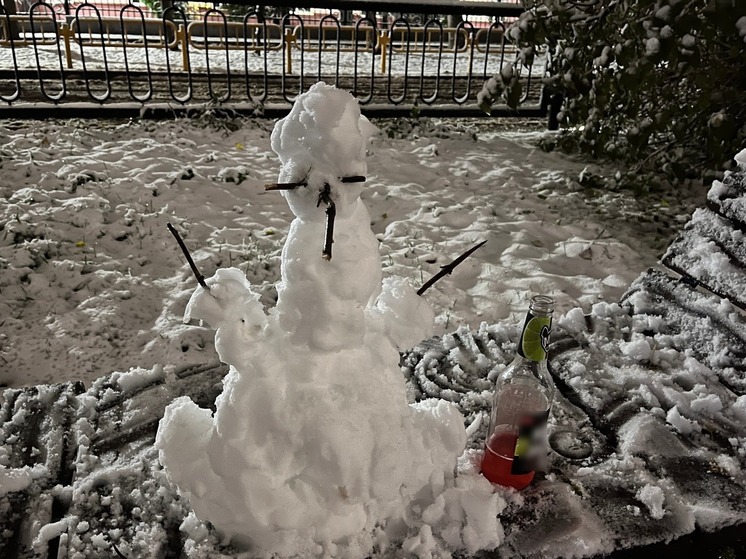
(323, 139)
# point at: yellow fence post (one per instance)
(66, 33)
(383, 40)
(469, 41)
(290, 39)
(181, 37)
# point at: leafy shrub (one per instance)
(657, 84)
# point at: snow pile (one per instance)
(16, 479)
(313, 448)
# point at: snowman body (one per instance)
(313, 445)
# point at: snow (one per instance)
(741, 27)
(93, 283)
(652, 497)
(48, 532)
(137, 378)
(639, 349)
(87, 263)
(652, 46)
(340, 453)
(688, 41)
(99, 541)
(741, 155)
(663, 13)
(16, 479)
(680, 423)
(707, 405)
(739, 408)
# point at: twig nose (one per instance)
(325, 197)
(331, 213)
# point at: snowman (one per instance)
(313, 448)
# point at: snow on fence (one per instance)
(190, 54)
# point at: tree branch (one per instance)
(448, 268)
(192, 265)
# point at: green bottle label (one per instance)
(535, 337)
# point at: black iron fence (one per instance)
(394, 56)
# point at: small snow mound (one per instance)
(652, 497)
(741, 27)
(397, 302)
(49, 532)
(138, 377)
(739, 408)
(638, 349)
(708, 404)
(680, 423)
(194, 528)
(606, 310)
(17, 479)
(652, 46)
(741, 155)
(573, 321)
(644, 432)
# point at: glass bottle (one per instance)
(516, 441)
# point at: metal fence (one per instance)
(120, 55)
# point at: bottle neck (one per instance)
(534, 339)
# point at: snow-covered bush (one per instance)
(659, 84)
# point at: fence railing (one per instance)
(238, 57)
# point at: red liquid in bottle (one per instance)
(498, 461)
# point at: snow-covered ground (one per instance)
(92, 282)
(314, 448)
